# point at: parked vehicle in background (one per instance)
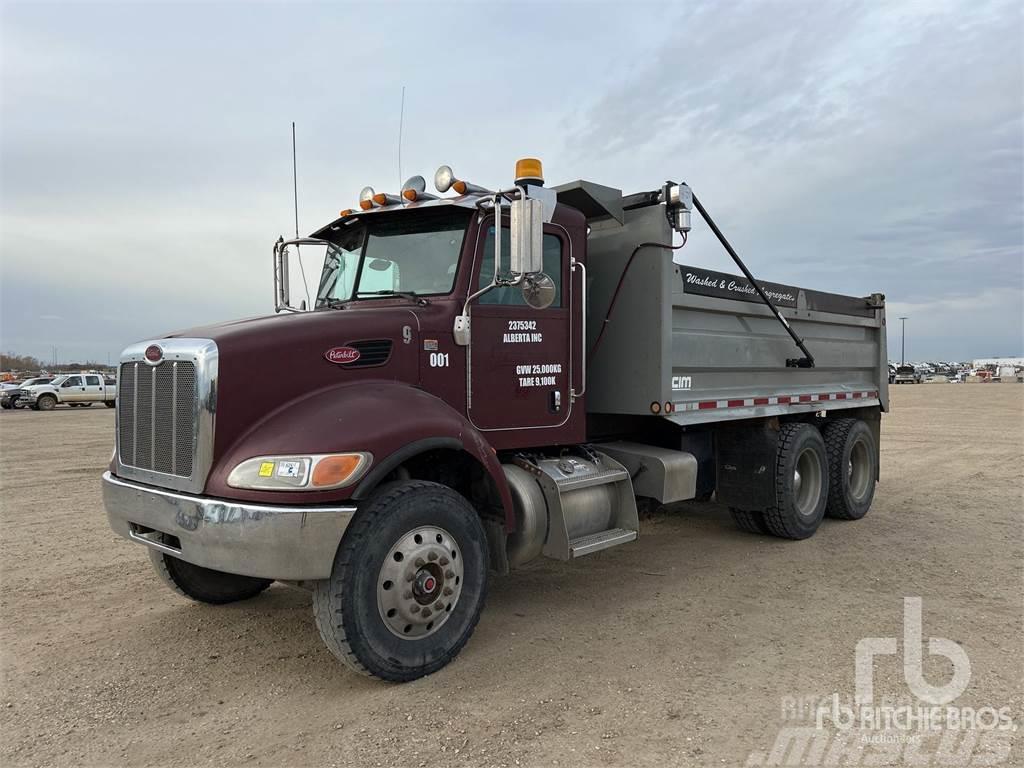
(907, 374)
(892, 373)
(75, 390)
(12, 398)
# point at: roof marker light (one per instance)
(445, 179)
(366, 198)
(383, 198)
(413, 190)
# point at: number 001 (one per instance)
(438, 359)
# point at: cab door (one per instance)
(93, 389)
(519, 358)
(72, 390)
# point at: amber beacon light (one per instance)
(529, 171)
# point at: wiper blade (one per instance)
(332, 303)
(388, 292)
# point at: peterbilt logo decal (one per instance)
(154, 354)
(341, 355)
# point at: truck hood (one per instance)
(265, 363)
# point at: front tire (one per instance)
(205, 585)
(801, 483)
(852, 466)
(408, 584)
(46, 403)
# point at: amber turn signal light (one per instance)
(335, 470)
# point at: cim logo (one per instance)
(681, 382)
(341, 355)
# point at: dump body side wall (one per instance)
(715, 357)
(732, 354)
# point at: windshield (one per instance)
(391, 255)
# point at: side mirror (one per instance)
(527, 236)
(282, 293)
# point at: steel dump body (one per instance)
(704, 343)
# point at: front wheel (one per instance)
(205, 585)
(46, 403)
(408, 583)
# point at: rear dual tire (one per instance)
(801, 483)
(853, 468)
(828, 473)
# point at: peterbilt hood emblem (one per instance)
(341, 355)
(154, 354)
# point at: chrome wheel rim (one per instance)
(420, 582)
(806, 482)
(859, 470)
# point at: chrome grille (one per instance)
(157, 416)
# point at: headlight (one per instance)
(317, 472)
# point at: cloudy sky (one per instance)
(145, 156)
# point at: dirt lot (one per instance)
(681, 649)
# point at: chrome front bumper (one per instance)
(293, 543)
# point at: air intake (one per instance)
(373, 352)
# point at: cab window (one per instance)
(92, 381)
(73, 381)
(511, 295)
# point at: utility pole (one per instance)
(903, 343)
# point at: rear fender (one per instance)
(393, 421)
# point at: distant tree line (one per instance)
(9, 361)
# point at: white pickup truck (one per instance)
(76, 389)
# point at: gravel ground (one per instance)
(685, 648)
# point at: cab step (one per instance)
(595, 542)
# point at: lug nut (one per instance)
(448, 590)
(444, 561)
(407, 595)
(438, 606)
(426, 613)
(432, 556)
(414, 609)
(410, 576)
(420, 562)
(449, 574)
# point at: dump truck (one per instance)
(478, 379)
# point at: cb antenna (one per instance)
(295, 188)
(295, 181)
(401, 118)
